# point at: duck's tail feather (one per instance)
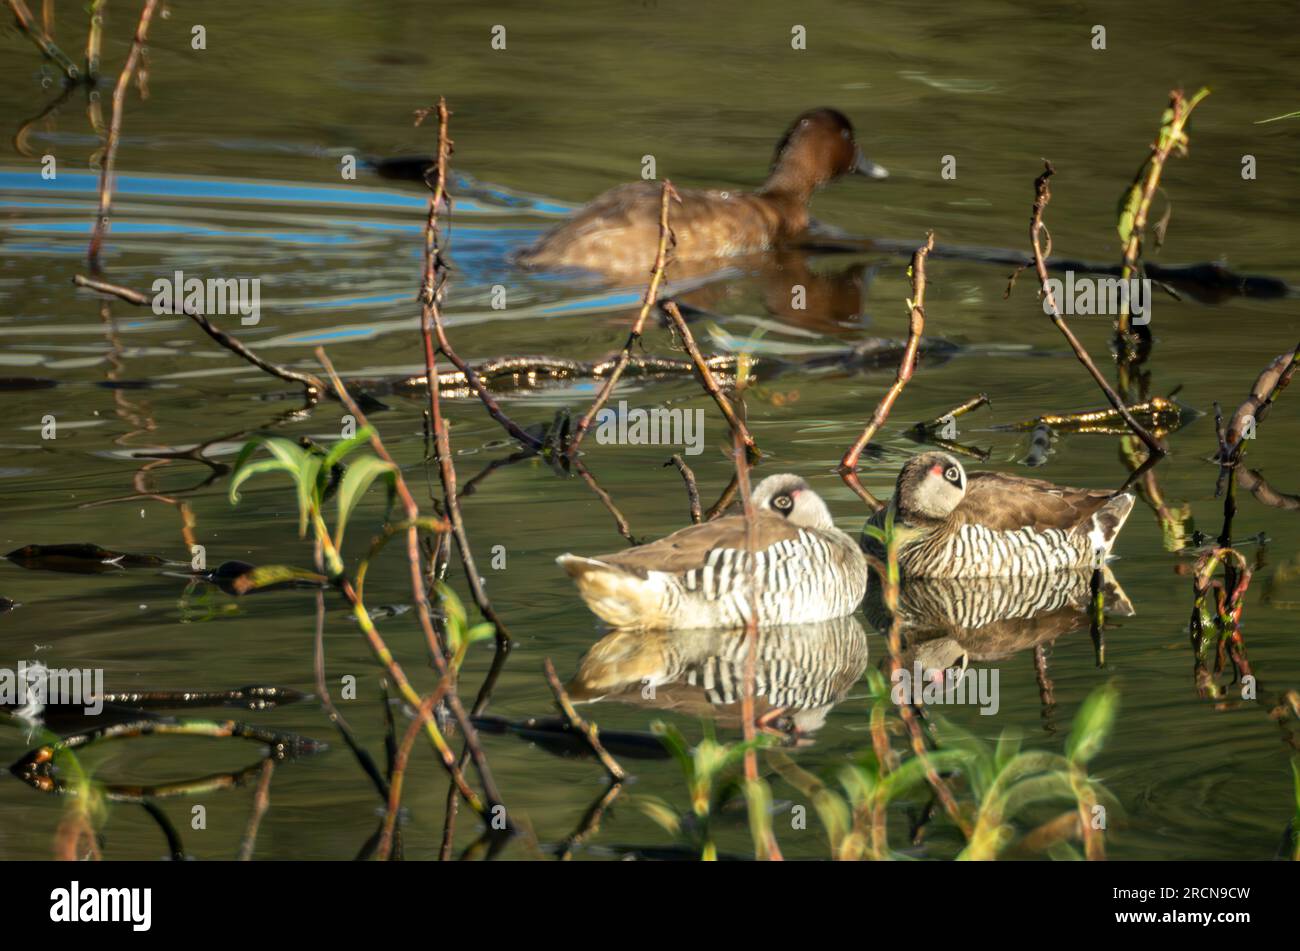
(615, 596)
(1104, 526)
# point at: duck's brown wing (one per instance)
(689, 548)
(619, 230)
(1006, 503)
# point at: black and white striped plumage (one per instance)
(990, 524)
(948, 622)
(802, 569)
(800, 670)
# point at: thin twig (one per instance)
(727, 496)
(709, 381)
(590, 824)
(419, 595)
(432, 288)
(115, 133)
(692, 489)
(364, 758)
(620, 520)
(315, 389)
(1172, 137)
(974, 403)
(916, 310)
(651, 295)
(1267, 387)
(740, 454)
(261, 800)
(394, 805)
(1042, 195)
(94, 39)
(435, 271)
(579, 725)
(27, 25)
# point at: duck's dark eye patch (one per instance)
(783, 503)
(953, 475)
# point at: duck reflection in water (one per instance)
(801, 672)
(945, 623)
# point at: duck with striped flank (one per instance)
(803, 569)
(990, 525)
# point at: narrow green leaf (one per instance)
(662, 813)
(481, 632)
(246, 451)
(1092, 724)
(287, 451)
(355, 482)
(345, 447)
(452, 605)
(1007, 748)
(256, 468)
(308, 490)
(758, 797)
(675, 743)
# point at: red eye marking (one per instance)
(936, 469)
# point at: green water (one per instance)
(569, 108)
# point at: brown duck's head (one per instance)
(817, 148)
(791, 498)
(930, 486)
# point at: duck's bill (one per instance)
(869, 169)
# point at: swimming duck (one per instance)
(619, 230)
(995, 525)
(701, 576)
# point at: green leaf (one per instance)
(308, 490)
(287, 451)
(256, 468)
(345, 447)
(267, 576)
(1092, 724)
(1007, 748)
(246, 452)
(758, 797)
(662, 813)
(481, 632)
(675, 743)
(1045, 787)
(452, 606)
(355, 482)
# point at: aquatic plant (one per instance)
(1003, 783)
(310, 473)
(710, 769)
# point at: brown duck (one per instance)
(804, 569)
(992, 525)
(619, 230)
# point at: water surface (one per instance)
(232, 166)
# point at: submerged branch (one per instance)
(315, 389)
